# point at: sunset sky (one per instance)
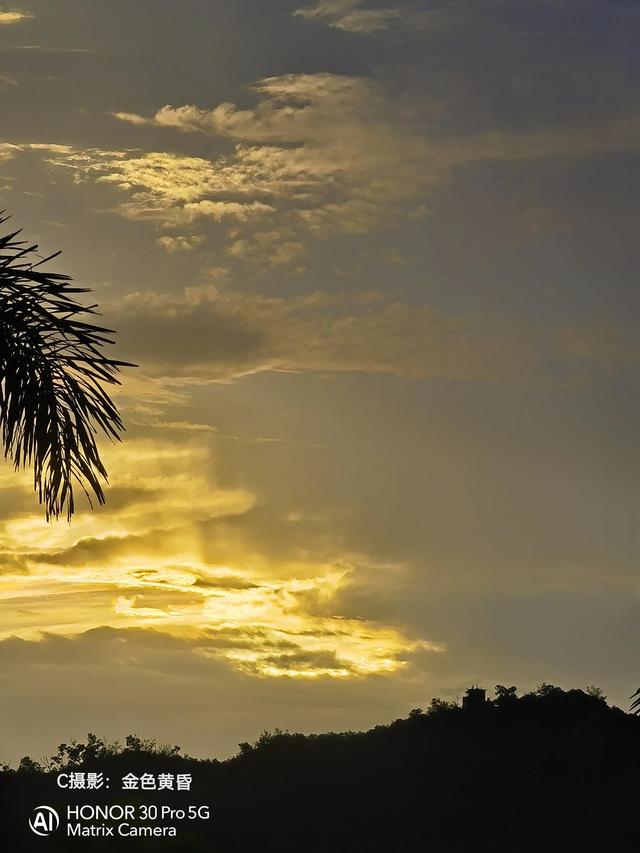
(377, 263)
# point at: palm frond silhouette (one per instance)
(635, 705)
(52, 371)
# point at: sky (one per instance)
(377, 263)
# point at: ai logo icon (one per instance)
(44, 821)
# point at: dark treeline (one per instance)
(551, 770)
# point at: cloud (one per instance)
(153, 485)
(268, 616)
(179, 242)
(237, 617)
(218, 211)
(217, 334)
(165, 187)
(452, 18)
(273, 248)
(349, 16)
(320, 155)
(13, 17)
(187, 336)
(44, 48)
(317, 155)
(163, 174)
(293, 109)
(114, 681)
(8, 151)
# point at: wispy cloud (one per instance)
(15, 16)
(46, 48)
(216, 334)
(318, 155)
(349, 15)
(8, 151)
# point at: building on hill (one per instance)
(475, 698)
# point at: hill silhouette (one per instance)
(553, 770)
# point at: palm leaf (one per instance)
(52, 372)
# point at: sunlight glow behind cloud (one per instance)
(151, 572)
(8, 17)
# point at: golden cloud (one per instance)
(318, 155)
(13, 17)
(349, 15)
(173, 243)
(154, 571)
